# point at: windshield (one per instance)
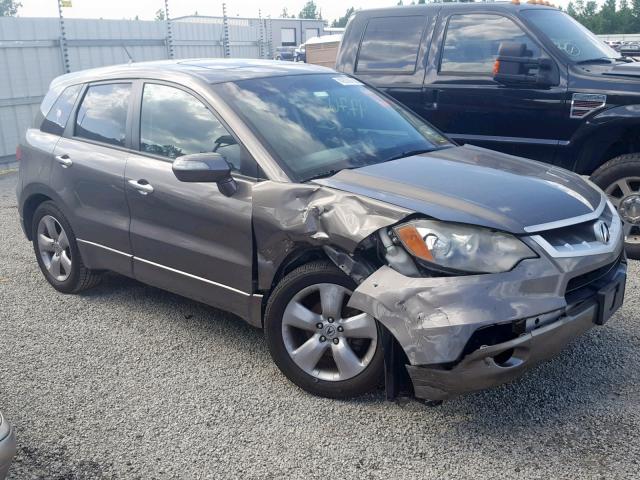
(317, 125)
(573, 40)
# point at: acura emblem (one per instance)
(601, 230)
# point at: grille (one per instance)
(583, 238)
(577, 236)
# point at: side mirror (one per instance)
(205, 167)
(514, 65)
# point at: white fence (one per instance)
(31, 55)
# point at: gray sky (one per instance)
(145, 9)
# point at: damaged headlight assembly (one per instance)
(457, 248)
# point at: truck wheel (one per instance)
(319, 343)
(620, 180)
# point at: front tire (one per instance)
(620, 180)
(56, 250)
(320, 344)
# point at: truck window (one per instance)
(472, 41)
(391, 44)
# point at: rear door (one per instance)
(463, 100)
(88, 174)
(188, 237)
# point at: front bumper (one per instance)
(480, 369)
(7, 447)
(438, 321)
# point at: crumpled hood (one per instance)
(476, 186)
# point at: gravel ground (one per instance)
(128, 381)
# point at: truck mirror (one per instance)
(515, 66)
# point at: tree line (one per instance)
(609, 18)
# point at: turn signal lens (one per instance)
(413, 241)
(18, 153)
(496, 67)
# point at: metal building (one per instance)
(285, 32)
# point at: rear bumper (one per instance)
(480, 370)
(7, 447)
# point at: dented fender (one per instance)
(289, 216)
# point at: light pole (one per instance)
(66, 67)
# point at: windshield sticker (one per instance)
(347, 81)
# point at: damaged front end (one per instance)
(457, 331)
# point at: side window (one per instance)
(391, 44)
(56, 119)
(174, 123)
(472, 42)
(102, 115)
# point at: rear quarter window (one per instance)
(391, 44)
(59, 113)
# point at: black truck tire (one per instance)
(620, 179)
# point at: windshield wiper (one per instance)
(410, 153)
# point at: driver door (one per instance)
(463, 100)
(188, 237)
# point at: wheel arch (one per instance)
(31, 197)
(31, 204)
(608, 135)
(293, 260)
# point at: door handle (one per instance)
(142, 188)
(431, 100)
(64, 160)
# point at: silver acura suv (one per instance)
(368, 246)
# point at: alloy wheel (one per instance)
(625, 196)
(54, 248)
(324, 337)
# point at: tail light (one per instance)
(18, 153)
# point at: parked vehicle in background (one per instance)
(284, 53)
(300, 54)
(7, 446)
(522, 79)
(630, 49)
(310, 204)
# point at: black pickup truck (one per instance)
(525, 79)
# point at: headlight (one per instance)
(461, 247)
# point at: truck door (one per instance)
(462, 99)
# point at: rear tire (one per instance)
(342, 359)
(56, 249)
(620, 180)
